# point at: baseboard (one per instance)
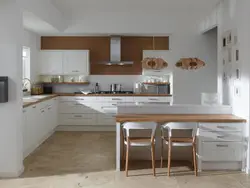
(103, 128)
(12, 174)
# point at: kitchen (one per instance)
(67, 65)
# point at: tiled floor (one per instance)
(75, 160)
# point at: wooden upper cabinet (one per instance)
(99, 48)
(161, 43)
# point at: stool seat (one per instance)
(139, 141)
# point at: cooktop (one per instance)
(109, 92)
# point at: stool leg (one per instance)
(162, 152)
(153, 157)
(123, 155)
(169, 155)
(194, 159)
(127, 154)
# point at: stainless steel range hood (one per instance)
(115, 53)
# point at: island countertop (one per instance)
(160, 118)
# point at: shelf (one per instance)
(156, 83)
(67, 83)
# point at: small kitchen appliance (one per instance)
(3, 89)
(115, 88)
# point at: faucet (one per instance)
(24, 84)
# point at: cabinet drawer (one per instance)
(112, 99)
(75, 99)
(106, 119)
(220, 136)
(77, 119)
(152, 99)
(222, 126)
(221, 151)
(75, 108)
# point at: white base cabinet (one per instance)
(39, 122)
(96, 111)
(221, 146)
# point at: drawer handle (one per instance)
(49, 108)
(115, 99)
(34, 107)
(77, 104)
(24, 111)
(221, 136)
(153, 99)
(114, 104)
(222, 146)
(222, 127)
(78, 116)
(42, 111)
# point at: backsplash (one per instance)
(103, 81)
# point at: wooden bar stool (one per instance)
(171, 140)
(129, 141)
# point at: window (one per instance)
(26, 62)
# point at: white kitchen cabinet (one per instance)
(221, 146)
(77, 119)
(39, 121)
(24, 131)
(29, 131)
(96, 110)
(51, 62)
(76, 62)
(105, 119)
(153, 99)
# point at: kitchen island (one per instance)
(217, 127)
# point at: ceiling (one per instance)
(122, 16)
(78, 7)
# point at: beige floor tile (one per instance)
(87, 160)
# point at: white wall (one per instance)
(230, 16)
(185, 41)
(33, 41)
(11, 147)
(46, 11)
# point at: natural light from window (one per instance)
(26, 62)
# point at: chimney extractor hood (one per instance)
(115, 53)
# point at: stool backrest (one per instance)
(181, 126)
(140, 126)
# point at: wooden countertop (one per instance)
(27, 104)
(115, 95)
(160, 118)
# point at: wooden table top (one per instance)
(209, 118)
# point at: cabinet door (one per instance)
(41, 130)
(31, 126)
(76, 62)
(55, 113)
(24, 128)
(51, 62)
